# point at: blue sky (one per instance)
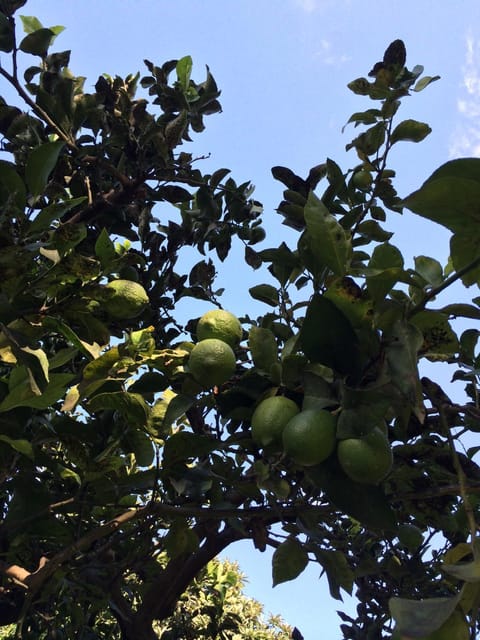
(283, 66)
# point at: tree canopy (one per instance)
(128, 463)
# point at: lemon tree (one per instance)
(270, 418)
(220, 324)
(310, 437)
(137, 442)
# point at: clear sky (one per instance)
(283, 66)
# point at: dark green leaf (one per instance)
(131, 405)
(184, 445)
(7, 34)
(288, 561)
(265, 293)
(22, 446)
(40, 164)
(37, 42)
(339, 573)
(326, 238)
(327, 336)
(366, 503)
(450, 200)
(104, 248)
(388, 261)
(430, 270)
(465, 251)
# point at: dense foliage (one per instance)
(122, 476)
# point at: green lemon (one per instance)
(126, 299)
(220, 324)
(270, 418)
(362, 179)
(368, 459)
(309, 437)
(212, 362)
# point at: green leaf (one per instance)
(419, 618)
(288, 561)
(52, 212)
(265, 293)
(21, 394)
(403, 341)
(263, 347)
(12, 188)
(465, 571)
(180, 539)
(430, 270)
(22, 446)
(184, 445)
(410, 130)
(31, 24)
(327, 336)
(37, 42)
(7, 34)
(176, 408)
(339, 573)
(366, 503)
(184, 71)
(325, 237)
(388, 261)
(105, 248)
(40, 164)
(451, 197)
(131, 405)
(465, 251)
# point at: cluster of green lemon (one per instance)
(309, 437)
(212, 360)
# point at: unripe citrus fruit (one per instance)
(410, 536)
(212, 362)
(362, 179)
(367, 459)
(126, 299)
(220, 324)
(270, 418)
(309, 437)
